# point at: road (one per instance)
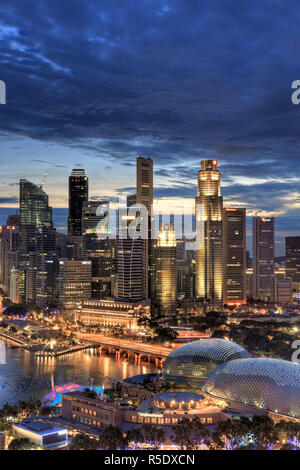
(128, 345)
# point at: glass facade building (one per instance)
(209, 228)
(193, 362)
(35, 213)
(267, 384)
(78, 193)
(166, 276)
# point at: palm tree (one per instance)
(265, 433)
(112, 438)
(153, 435)
(190, 434)
(82, 442)
(182, 435)
(135, 436)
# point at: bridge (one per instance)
(120, 346)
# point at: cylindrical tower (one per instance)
(209, 227)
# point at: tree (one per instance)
(112, 439)
(190, 434)
(153, 435)
(214, 321)
(47, 410)
(90, 393)
(291, 432)
(182, 435)
(232, 433)
(22, 444)
(83, 442)
(163, 334)
(135, 436)
(265, 433)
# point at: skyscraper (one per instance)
(35, 213)
(234, 225)
(9, 240)
(144, 195)
(74, 283)
(46, 267)
(98, 250)
(263, 258)
(78, 193)
(144, 182)
(131, 258)
(166, 276)
(292, 263)
(209, 227)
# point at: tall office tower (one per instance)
(131, 200)
(263, 258)
(41, 277)
(131, 261)
(14, 295)
(78, 194)
(74, 285)
(234, 228)
(185, 268)
(46, 268)
(74, 247)
(144, 182)
(9, 239)
(248, 260)
(166, 276)
(209, 227)
(35, 213)
(98, 250)
(144, 195)
(292, 264)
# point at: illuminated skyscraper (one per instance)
(74, 282)
(78, 193)
(35, 213)
(144, 182)
(209, 227)
(144, 195)
(292, 263)
(98, 250)
(166, 276)
(234, 256)
(263, 258)
(131, 255)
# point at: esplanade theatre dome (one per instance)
(267, 384)
(192, 362)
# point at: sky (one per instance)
(95, 84)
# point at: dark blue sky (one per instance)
(97, 83)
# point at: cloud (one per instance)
(177, 81)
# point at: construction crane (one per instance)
(43, 180)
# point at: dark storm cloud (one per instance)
(178, 80)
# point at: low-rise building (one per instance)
(42, 433)
(111, 313)
(77, 407)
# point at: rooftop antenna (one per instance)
(43, 180)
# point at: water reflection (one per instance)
(24, 376)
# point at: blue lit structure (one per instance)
(54, 398)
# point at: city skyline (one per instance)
(165, 205)
(149, 228)
(131, 95)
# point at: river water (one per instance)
(24, 376)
